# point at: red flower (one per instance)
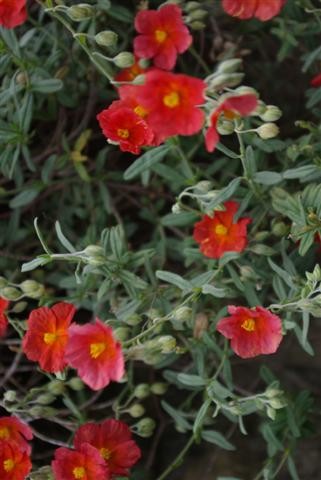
(15, 432)
(163, 35)
(124, 126)
(96, 355)
(173, 102)
(85, 463)
(231, 107)
(129, 74)
(316, 81)
(3, 319)
(261, 9)
(47, 335)
(113, 439)
(220, 234)
(12, 13)
(253, 332)
(14, 463)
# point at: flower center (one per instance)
(123, 133)
(96, 349)
(220, 229)
(230, 115)
(4, 433)
(79, 472)
(171, 100)
(141, 111)
(160, 36)
(49, 338)
(8, 465)
(249, 325)
(105, 453)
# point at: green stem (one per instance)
(177, 460)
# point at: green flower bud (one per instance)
(190, 6)
(44, 473)
(277, 403)
(10, 396)
(76, 384)
(19, 307)
(261, 236)
(267, 131)
(134, 320)
(204, 186)
(38, 411)
(273, 392)
(280, 229)
(56, 387)
(153, 313)
(145, 427)
(271, 114)
(225, 80)
(271, 413)
(197, 25)
(198, 14)
(32, 289)
(167, 344)
(244, 90)
(159, 388)
(10, 293)
(142, 391)
(107, 38)
(122, 333)
(3, 282)
(176, 208)
(225, 127)
(230, 66)
(183, 313)
(139, 80)
(136, 410)
(94, 251)
(45, 399)
(124, 60)
(80, 12)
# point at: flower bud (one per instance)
(106, 38)
(201, 325)
(271, 114)
(19, 307)
(267, 131)
(122, 333)
(142, 391)
(204, 186)
(139, 80)
(190, 6)
(136, 410)
(244, 90)
(124, 60)
(176, 208)
(32, 288)
(134, 320)
(38, 411)
(226, 80)
(271, 413)
(167, 343)
(198, 14)
(280, 229)
(3, 282)
(273, 392)
(43, 473)
(80, 12)
(277, 403)
(22, 78)
(145, 427)
(10, 293)
(159, 388)
(153, 313)
(76, 384)
(197, 25)
(183, 313)
(45, 399)
(56, 387)
(225, 127)
(230, 66)
(94, 251)
(10, 396)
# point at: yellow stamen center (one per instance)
(105, 453)
(141, 111)
(221, 229)
(4, 433)
(8, 465)
(123, 133)
(249, 325)
(160, 36)
(230, 115)
(79, 472)
(171, 100)
(96, 349)
(49, 338)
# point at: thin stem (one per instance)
(177, 460)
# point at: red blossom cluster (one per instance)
(3, 319)
(12, 13)
(15, 450)
(54, 342)
(101, 451)
(261, 9)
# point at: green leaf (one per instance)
(50, 85)
(24, 198)
(191, 380)
(177, 416)
(179, 219)
(143, 163)
(37, 262)
(267, 178)
(225, 193)
(174, 279)
(214, 291)
(201, 416)
(63, 240)
(212, 436)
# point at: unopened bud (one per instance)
(31, 288)
(204, 186)
(124, 60)
(56, 387)
(271, 114)
(226, 80)
(183, 313)
(225, 127)
(19, 307)
(76, 384)
(3, 282)
(190, 6)
(229, 66)
(273, 392)
(22, 78)
(142, 391)
(271, 413)
(94, 251)
(107, 38)
(10, 293)
(197, 25)
(277, 403)
(45, 399)
(159, 388)
(267, 131)
(280, 229)
(10, 396)
(153, 313)
(42, 412)
(176, 208)
(145, 427)
(198, 14)
(136, 410)
(139, 80)
(201, 325)
(134, 320)
(167, 344)
(122, 333)
(80, 12)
